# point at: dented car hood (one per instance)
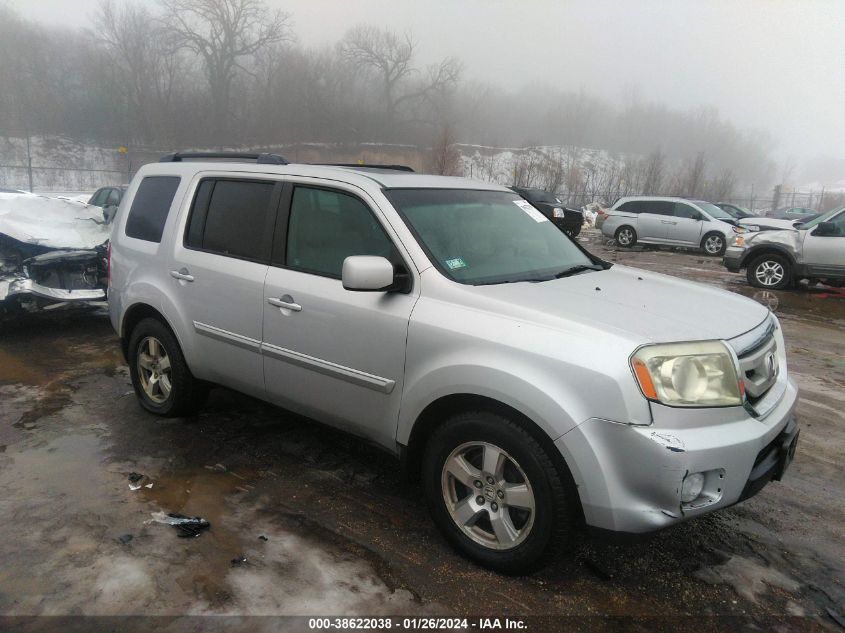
(52, 222)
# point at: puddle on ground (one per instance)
(67, 558)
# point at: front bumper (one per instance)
(18, 285)
(629, 477)
(733, 258)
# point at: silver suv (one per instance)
(669, 221)
(777, 259)
(531, 386)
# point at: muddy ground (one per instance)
(305, 520)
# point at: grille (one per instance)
(759, 365)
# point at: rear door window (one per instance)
(233, 218)
(150, 207)
(658, 207)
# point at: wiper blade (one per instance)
(574, 270)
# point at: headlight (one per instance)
(557, 212)
(751, 228)
(699, 374)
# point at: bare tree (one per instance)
(446, 158)
(694, 180)
(222, 33)
(653, 176)
(148, 63)
(391, 57)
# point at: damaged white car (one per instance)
(51, 251)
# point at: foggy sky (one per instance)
(775, 65)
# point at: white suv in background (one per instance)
(669, 221)
(530, 385)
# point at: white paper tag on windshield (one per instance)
(531, 211)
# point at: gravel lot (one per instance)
(327, 526)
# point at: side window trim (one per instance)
(269, 217)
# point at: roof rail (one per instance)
(261, 159)
(393, 167)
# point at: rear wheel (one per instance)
(626, 236)
(770, 271)
(161, 378)
(494, 492)
(714, 244)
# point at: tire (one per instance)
(574, 231)
(161, 378)
(626, 236)
(530, 534)
(770, 271)
(714, 244)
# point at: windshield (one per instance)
(824, 217)
(487, 237)
(713, 211)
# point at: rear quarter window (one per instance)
(150, 207)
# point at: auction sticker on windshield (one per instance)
(458, 262)
(531, 211)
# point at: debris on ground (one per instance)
(840, 620)
(217, 468)
(599, 570)
(136, 481)
(262, 538)
(240, 559)
(124, 539)
(187, 527)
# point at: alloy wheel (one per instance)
(488, 495)
(713, 244)
(769, 273)
(154, 369)
(625, 237)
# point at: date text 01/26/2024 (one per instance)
(409, 624)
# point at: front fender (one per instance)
(757, 249)
(519, 394)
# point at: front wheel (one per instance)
(769, 271)
(714, 244)
(494, 492)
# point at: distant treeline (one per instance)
(206, 73)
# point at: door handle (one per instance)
(182, 274)
(287, 305)
(667, 222)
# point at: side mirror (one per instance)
(826, 228)
(368, 273)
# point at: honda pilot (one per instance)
(528, 385)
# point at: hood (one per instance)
(768, 223)
(640, 305)
(51, 222)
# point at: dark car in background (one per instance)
(734, 210)
(792, 213)
(107, 196)
(567, 220)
